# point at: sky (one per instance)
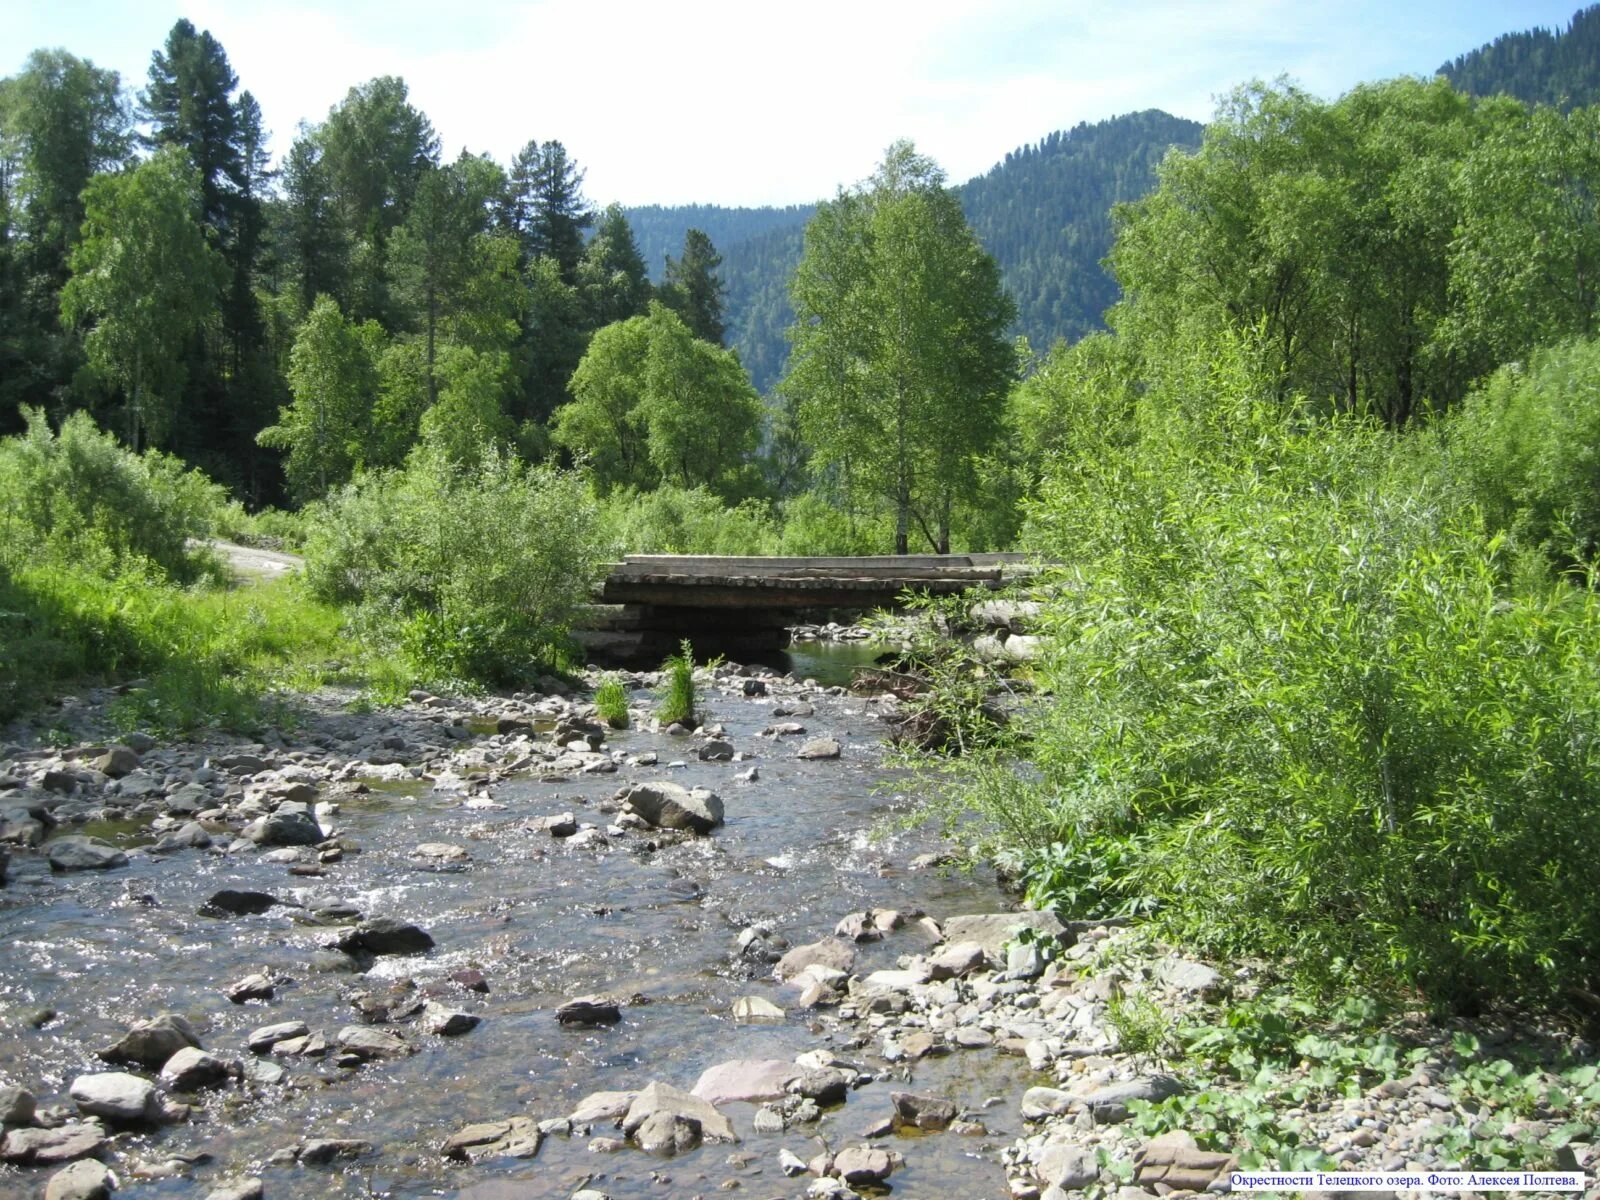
(750, 102)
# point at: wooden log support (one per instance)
(667, 595)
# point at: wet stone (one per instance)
(44, 1147)
(446, 1022)
(17, 1105)
(862, 1164)
(117, 1096)
(386, 935)
(923, 1111)
(231, 903)
(251, 987)
(589, 1010)
(830, 952)
(515, 1137)
(83, 1180)
(326, 1150)
(191, 1068)
(268, 1036)
(84, 854)
(151, 1043)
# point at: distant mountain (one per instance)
(659, 231)
(1044, 212)
(1539, 66)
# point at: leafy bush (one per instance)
(677, 697)
(269, 529)
(1299, 690)
(1526, 448)
(472, 573)
(817, 524)
(675, 520)
(79, 496)
(611, 702)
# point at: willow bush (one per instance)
(1302, 704)
(472, 572)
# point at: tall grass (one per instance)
(677, 694)
(611, 702)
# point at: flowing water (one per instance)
(543, 921)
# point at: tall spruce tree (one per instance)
(611, 278)
(190, 104)
(693, 289)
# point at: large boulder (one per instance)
(286, 827)
(515, 1137)
(668, 806)
(386, 935)
(151, 1043)
(117, 761)
(46, 1147)
(831, 953)
(662, 1100)
(17, 1105)
(992, 931)
(117, 1096)
(191, 1069)
(84, 854)
(747, 1079)
(83, 1180)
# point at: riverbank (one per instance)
(458, 947)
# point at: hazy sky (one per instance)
(752, 102)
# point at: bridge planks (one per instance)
(691, 581)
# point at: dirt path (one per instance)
(251, 565)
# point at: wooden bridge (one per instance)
(738, 605)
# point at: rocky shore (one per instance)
(890, 1013)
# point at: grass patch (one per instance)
(611, 702)
(677, 697)
(211, 656)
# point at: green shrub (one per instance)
(816, 524)
(472, 573)
(79, 496)
(675, 520)
(1526, 449)
(611, 702)
(677, 697)
(1311, 702)
(270, 528)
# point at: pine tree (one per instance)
(611, 277)
(693, 289)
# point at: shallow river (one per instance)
(543, 921)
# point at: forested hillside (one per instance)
(1538, 66)
(1045, 215)
(1044, 212)
(659, 230)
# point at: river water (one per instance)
(544, 921)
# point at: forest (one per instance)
(1321, 489)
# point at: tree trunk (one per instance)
(433, 321)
